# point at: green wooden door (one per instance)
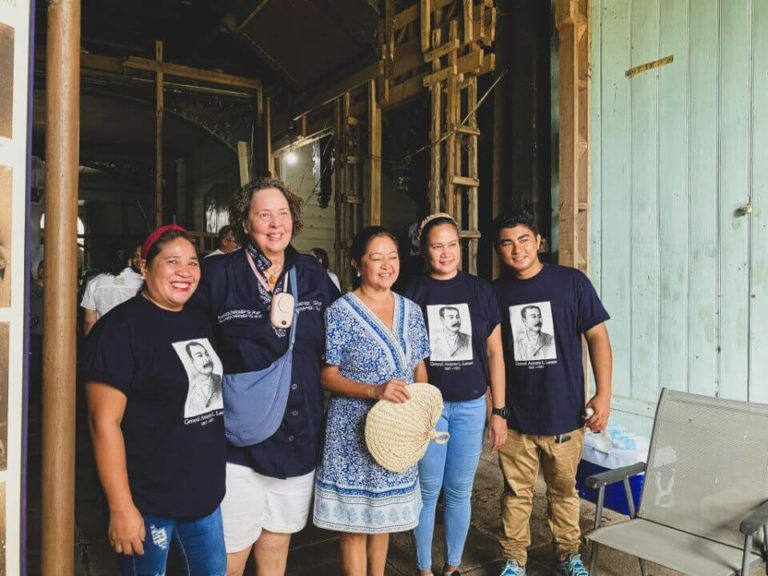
(679, 184)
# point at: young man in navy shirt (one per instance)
(545, 311)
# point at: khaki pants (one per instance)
(519, 459)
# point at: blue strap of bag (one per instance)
(295, 294)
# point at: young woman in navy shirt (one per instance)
(160, 456)
(467, 358)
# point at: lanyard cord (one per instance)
(260, 276)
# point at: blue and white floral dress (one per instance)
(352, 492)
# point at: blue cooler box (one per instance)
(593, 462)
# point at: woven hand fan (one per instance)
(397, 435)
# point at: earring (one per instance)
(358, 273)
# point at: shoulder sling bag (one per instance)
(254, 402)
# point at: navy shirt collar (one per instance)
(263, 263)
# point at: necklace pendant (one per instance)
(272, 279)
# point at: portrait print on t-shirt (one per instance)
(204, 371)
(533, 332)
(450, 332)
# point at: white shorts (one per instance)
(254, 503)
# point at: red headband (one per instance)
(152, 238)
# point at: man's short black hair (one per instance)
(225, 231)
(512, 219)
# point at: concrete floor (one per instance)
(315, 551)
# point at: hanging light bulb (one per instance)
(291, 158)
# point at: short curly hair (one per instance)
(240, 205)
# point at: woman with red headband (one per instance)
(153, 383)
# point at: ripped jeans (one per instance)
(199, 544)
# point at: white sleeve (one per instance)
(88, 302)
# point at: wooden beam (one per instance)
(443, 50)
(469, 28)
(312, 101)
(62, 129)
(374, 152)
(574, 134)
(388, 49)
(243, 161)
(404, 91)
(412, 13)
(440, 75)
(471, 63)
(180, 71)
(436, 132)
(471, 182)
(268, 128)
(260, 108)
(426, 24)
(453, 204)
(251, 15)
(159, 105)
(408, 57)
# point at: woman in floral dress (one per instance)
(376, 343)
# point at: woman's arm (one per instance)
(420, 372)
(395, 390)
(497, 429)
(89, 319)
(106, 406)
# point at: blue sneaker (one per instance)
(512, 568)
(573, 566)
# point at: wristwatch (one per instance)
(503, 412)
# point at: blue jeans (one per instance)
(199, 543)
(452, 467)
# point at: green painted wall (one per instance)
(676, 152)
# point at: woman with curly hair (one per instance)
(269, 483)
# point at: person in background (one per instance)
(322, 257)
(375, 347)
(36, 293)
(269, 484)
(469, 368)
(227, 242)
(105, 291)
(162, 473)
(545, 389)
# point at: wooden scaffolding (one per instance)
(441, 45)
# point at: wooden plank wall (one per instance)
(319, 223)
(680, 168)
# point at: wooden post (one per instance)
(243, 161)
(572, 26)
(270, 157)
(426, 24)
(435, 90)
(159, 103)
(472, 204)
(453, 203)
(60, 305)
(374, 150)
(338, 184)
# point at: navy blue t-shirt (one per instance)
(543, 319)
(246, 340)
(460, 314)
(173, 425)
